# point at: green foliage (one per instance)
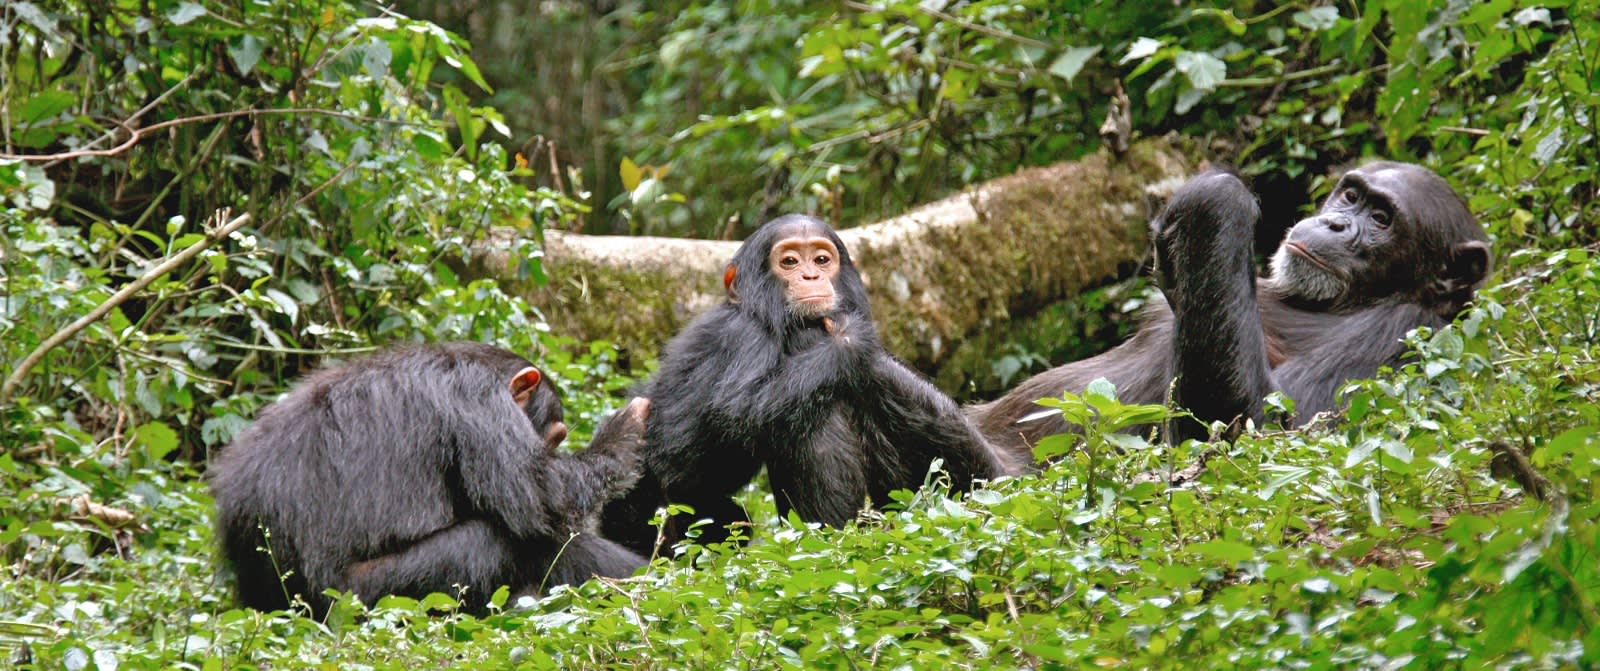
(1383, 542)
(321, 123)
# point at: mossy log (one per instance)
(944, 272)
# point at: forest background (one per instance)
(1450, 523)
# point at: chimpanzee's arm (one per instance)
(1204, 240)
(921, 423)
(508, 474)
(604, 470)
(763, 387)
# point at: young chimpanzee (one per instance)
(1393, 248)
(788, 373)
(420, 469)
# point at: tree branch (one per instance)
(136, 134)
(116, 299)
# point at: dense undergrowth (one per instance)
(1395, 539)
(1381, 543)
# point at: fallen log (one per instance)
(936, 275)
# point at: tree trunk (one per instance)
(944, 272)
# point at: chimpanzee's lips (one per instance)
(1308, 255)
(818, 298)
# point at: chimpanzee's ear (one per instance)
(1469, 263)
(728, 274)
(523, 384)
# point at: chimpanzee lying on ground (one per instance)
(1393, 248)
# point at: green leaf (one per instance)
(1203, 70)
(156, 438)
(1225, 551)
(32, 15)
(1360, 453)
(456, 102)
(1134, 415)
(1102, 388)
(1397, 450)
(286, 304)
(427, 146)
(438, 602)
(1070, 62)
(1564, 444)
(1058, 444)
(375, 57)
(245, 51)
(45, 105)
(185, 12)
(1317, 18)
(1141, 48)
(1531, 15)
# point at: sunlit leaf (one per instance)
(631, 174)
(1070, 62)
(185, 12)
(1141, 48)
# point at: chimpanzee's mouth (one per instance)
(1303, 252)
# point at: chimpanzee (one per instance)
(788, 373)
(1393, 248)
(424, 468)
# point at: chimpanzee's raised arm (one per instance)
(1203, 242)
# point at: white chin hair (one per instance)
(1296, 276)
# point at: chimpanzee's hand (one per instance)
(1207, 227)
(847, 330)
(617, 443)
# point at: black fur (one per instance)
(413, 471)
(834, 418)
(1404, 252)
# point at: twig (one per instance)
(128, 123)
(638, 613)
(1477, 132)
(82, 508)
(137, 134)
(555, 169)
(1511, 459)
(1246, 82)
(116, 299)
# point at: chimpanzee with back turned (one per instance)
(419, 469)
(1393, 248)
(788, 373)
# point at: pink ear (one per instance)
(523, 383)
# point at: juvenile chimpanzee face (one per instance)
(806, 263)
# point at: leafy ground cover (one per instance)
(1383, 543)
